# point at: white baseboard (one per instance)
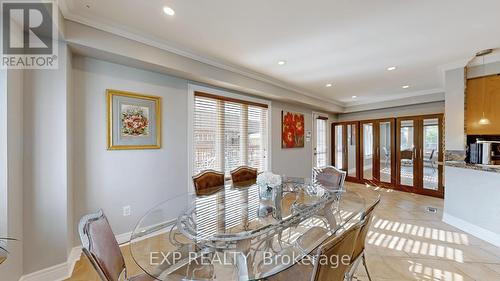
(123, 238)
(57, 272)
(64, 270)
(479, 232)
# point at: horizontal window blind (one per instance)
(229, 133)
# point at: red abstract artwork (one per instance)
(292, 129)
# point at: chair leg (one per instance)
(366, 267)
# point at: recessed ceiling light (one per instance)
(281, 62)
(354, 97)
(169, 11)
(391, 68)
(405, 86)
(328, 85)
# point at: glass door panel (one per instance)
(385, 139)
(406, 152)
(320, 149)
(367, 154)
(338, 147)
(430, 152)
(352, 155)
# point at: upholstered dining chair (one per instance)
(329, 177)
(102, 249)
(208, 182)
(338, 245)
(358, 254)
(244, 176)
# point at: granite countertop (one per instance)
(479, 167)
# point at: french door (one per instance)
(377, 143)
(345, 153)
(403, 153)
(320, 138)
(420, 155)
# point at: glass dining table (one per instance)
(240, 232)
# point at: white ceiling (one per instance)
(348, 43)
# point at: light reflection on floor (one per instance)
(407, 243)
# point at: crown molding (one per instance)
(434, 96)
(68, 15)
(65, 8)
(405, 96)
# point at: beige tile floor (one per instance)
(407, 243)
(404, 243)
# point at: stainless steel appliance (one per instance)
(488, 152)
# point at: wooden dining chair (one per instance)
(358, 254)
(338, 246)
(208, 182)
(102, 249)
(244, 176)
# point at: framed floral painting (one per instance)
(134, 121)
(292, 129)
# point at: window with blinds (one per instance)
(321, 141)
(229, 133)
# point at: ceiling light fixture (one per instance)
(405, 86)
(484, 120)
(328, 85)
(169, 11)
(391, 68)
(354, 97)
(281, 62)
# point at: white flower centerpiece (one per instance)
(269, 192)
(268, 181)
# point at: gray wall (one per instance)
(454, 104)
(102, 178)
(471, 199)
(11, 177)
(14, 171)
(139, 178)
(480, 70)
(45, 166)
(455, 101)
(296, 162)
(3, 152)
(418, 109)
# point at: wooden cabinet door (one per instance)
(483, 97)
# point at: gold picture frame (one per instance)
(121, 137)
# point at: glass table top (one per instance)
(239, 233)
